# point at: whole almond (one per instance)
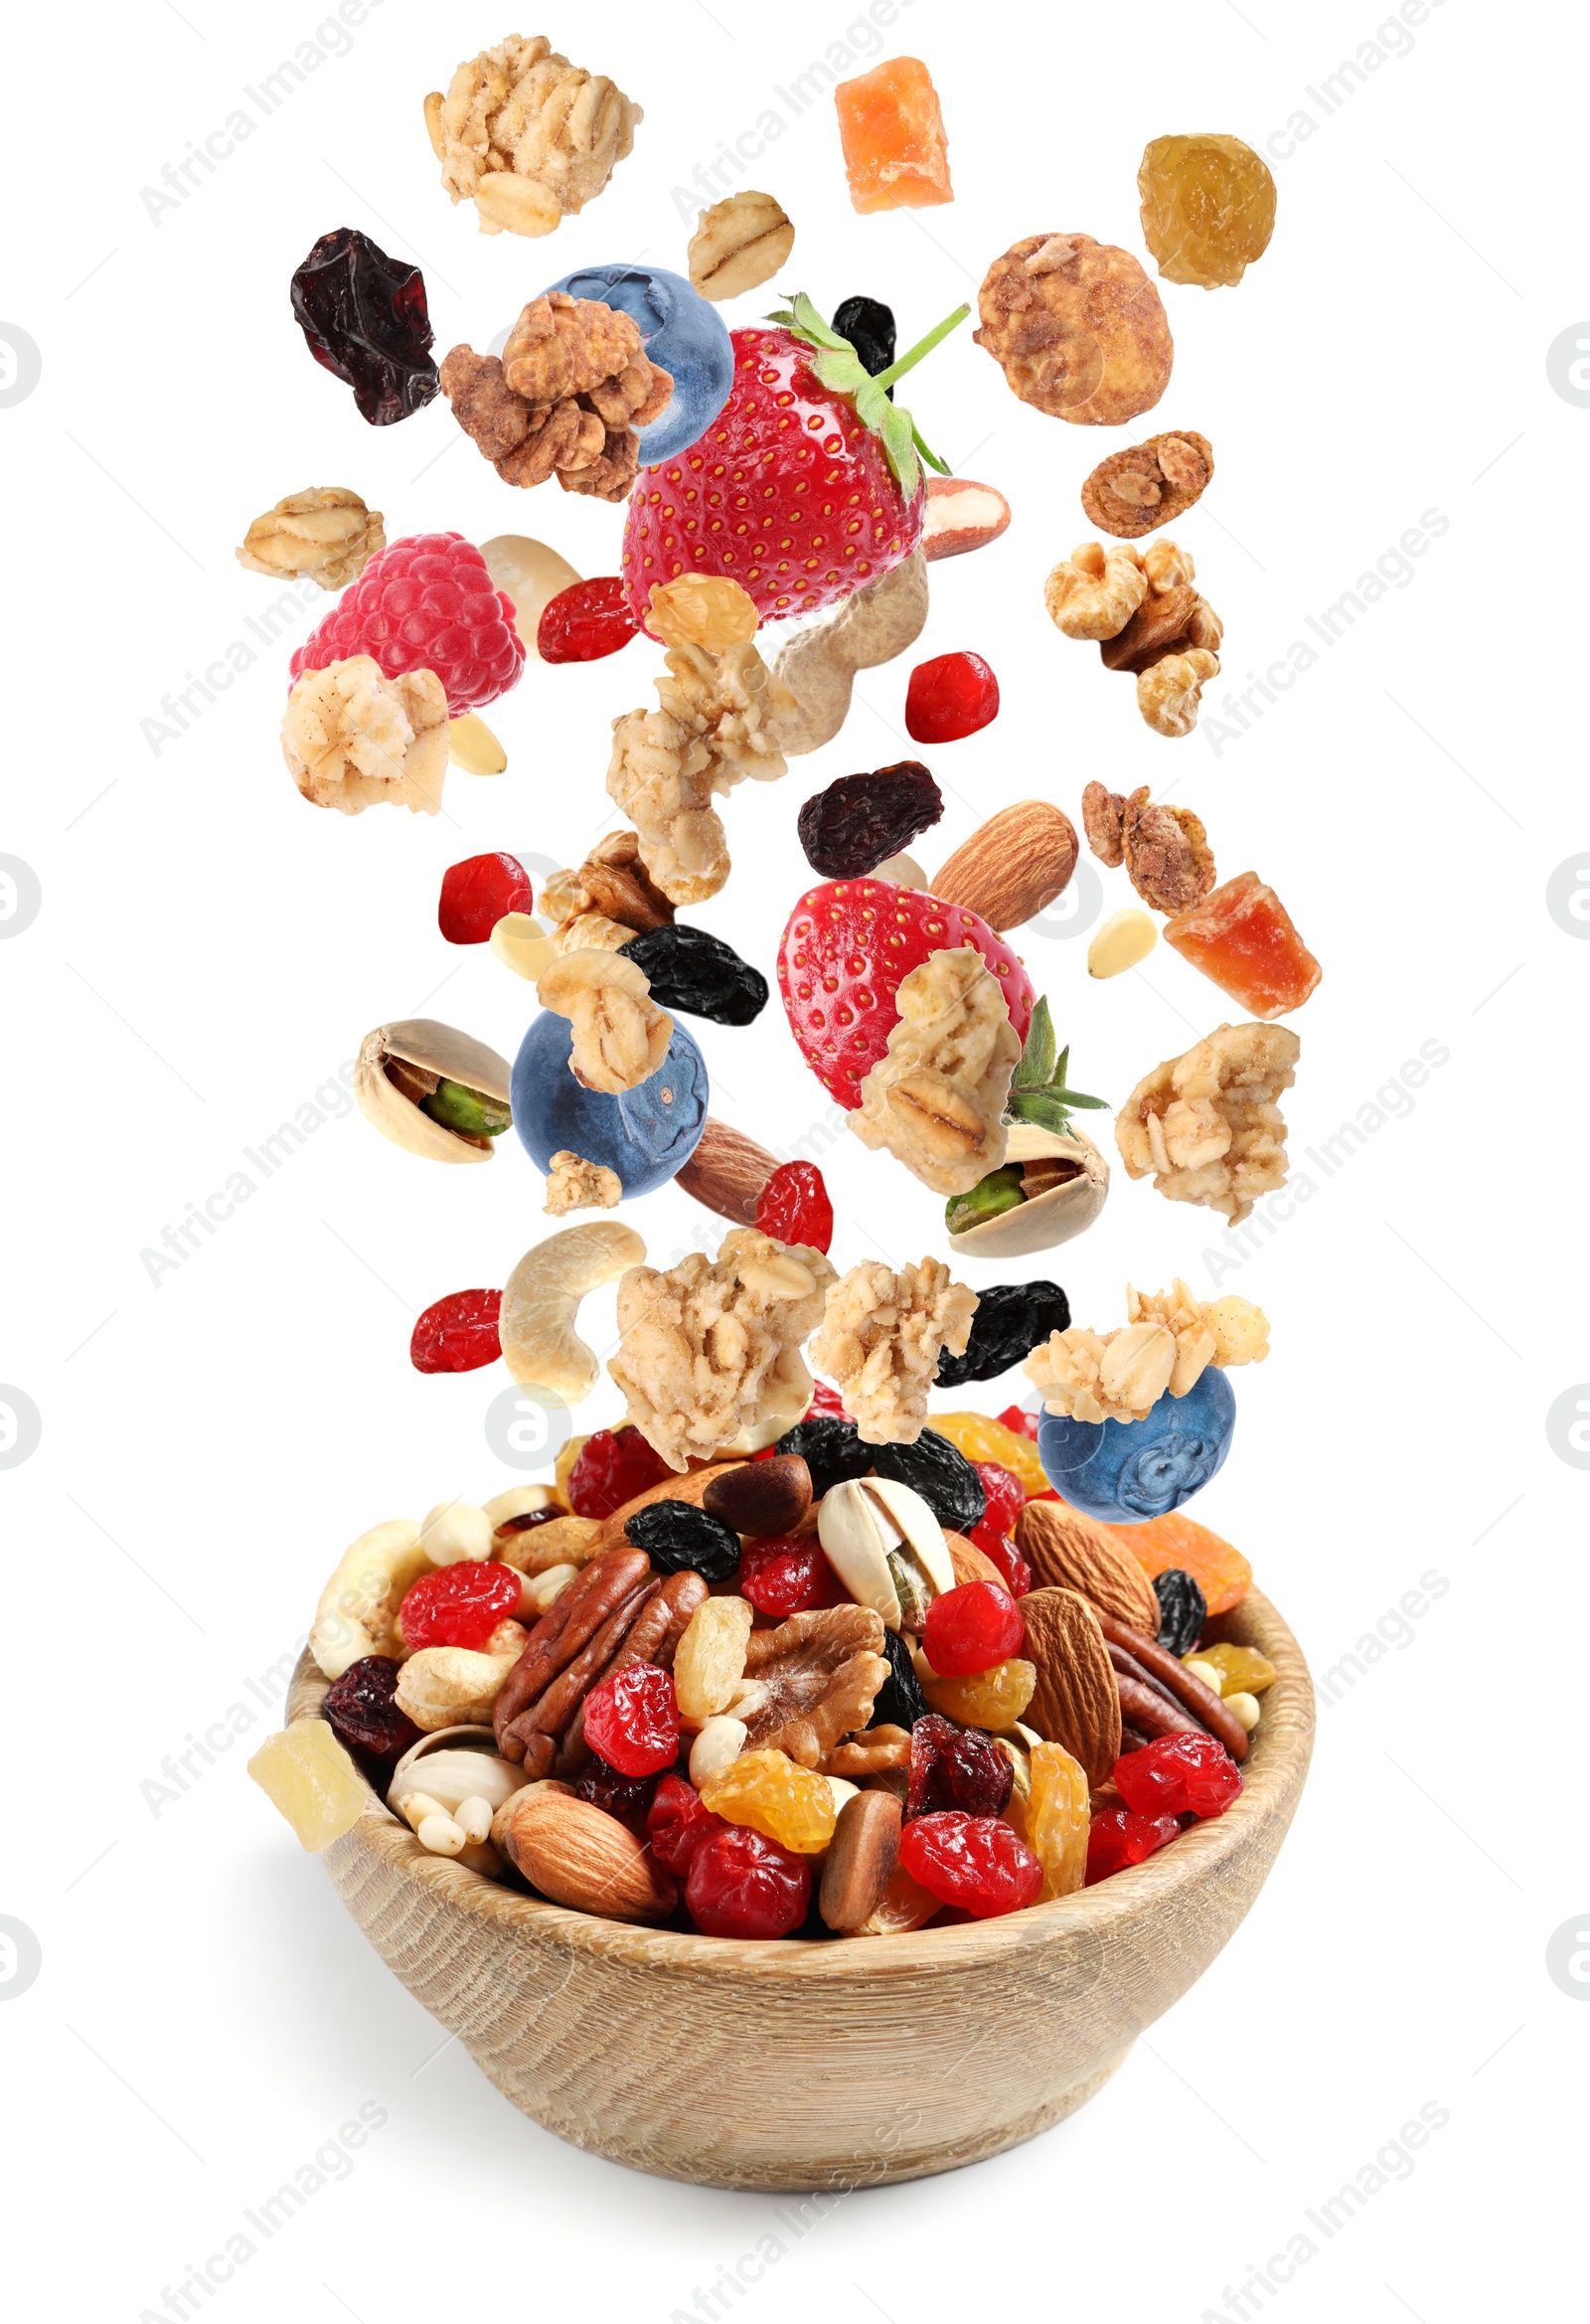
(726, 1173)
(1076, 1702)
(581, 1857)
(1068, 1551)
(970, 1563)
(1013, 865)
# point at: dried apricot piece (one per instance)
(1242, 938)
(1176, 1542)
(897, 157)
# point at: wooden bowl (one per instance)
(821, 2066)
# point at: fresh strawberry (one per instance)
(844, 948)
(806, 485)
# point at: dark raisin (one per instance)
(675, 1534)
(942, 1474)
(1012, 1320)
(627, 1798)
(861, 820)
(869, 325)
(899, 1701)
(1183, 1612)
(691, 970)
(362, 1709)
(831, 1449)
(956, 1767)
(364, 319)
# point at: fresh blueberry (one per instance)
(683, 332)
(1126, 1470)
(645, 1134)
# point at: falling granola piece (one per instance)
(567, 396)
(353, 739)
(710, 1351)
(621, 1037)
(936, 1098)
(326, 535)
(1148, 485)
(1166, 1345)
(1104, 820)
(1166, 853)
(574, 1184)
(1206, 1126)
(527, 136)
(882, 1337)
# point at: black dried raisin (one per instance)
(689, 969)
(941, 1473)
(899, 1701)
(862, 819)
(1183, 1612)
(831, 1450)
(1012, 1320)
(675, 1535)
(869, 325)
(366, 320)
(362, 1709)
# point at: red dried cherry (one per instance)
(363, 1709)
(627, 1798)
(971, 1628)
(610, 1468)
(950, 696)
(787, 1574)
(793, 1207)
(1007, 1495)
(458, 1333)
(1118, 1838)
(585, 623)
(744, 1885)
(461, 1605)
(1002, 1552)
(973, 1861)
(956, 1767)
(1179, 1776)
(677, 1824)
(1019, 1422)
(632, 1720)
(477, 892)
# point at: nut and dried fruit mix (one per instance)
(796, 1650)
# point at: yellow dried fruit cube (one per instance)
(1243, 1670)
(783, 1802)
(305, 1772)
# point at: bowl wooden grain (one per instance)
(798, 2067)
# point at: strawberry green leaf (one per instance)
(841, 370)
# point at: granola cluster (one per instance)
(326, 535)
(1166, 850)
(527, 136)
(883, 1331)
(620, 1035)
(1206, 1126)
(353, 739)
(936, 1098)
(606, 901)
(1168, 1343)
(565, 398)
(574, 1184)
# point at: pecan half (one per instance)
(1177, 1680)
(558, 1639)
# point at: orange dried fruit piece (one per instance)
(892, 131)
(1177, 1544)
(1241, 936)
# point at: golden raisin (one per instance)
(1243, 1671)
(1056, 1819)
(990, 1699)
(783, 1802)
(1208, 207)
(982, 1438)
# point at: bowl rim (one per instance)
(1272, 1778)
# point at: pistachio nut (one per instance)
(1049, 1189)
(887, 1546)
(432, 1089)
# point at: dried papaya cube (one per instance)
(305, 1772)
(1242, 938)
(892, 133)
(1175, 1542)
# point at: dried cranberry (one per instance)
(971, 1628)
(1118, 1838)
(585, 623)
(476, 893)
(457, 1334)
(632, 1720)
(1002, 1552)
(956, 1767)
(862, 819)
(950, 696)
(1004, 1493)
(1179, 1776)
(363, 1710)
(677, 1824)
(627, 1798)
(610, 1468)
(744, 1885)
(825, 1400)
(365, 320)
(459, 1604)
(975, 1862)
(1018, 1421)
(793, 1207)
(787, 1574)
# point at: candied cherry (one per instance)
(971, 1628)
(585, 623)
(627, 1798)
(677, 1823)
(1007, 1495)
(362, 1706)
(787, 1574)
(459, 1604)
(457, 1334)
(1001, 1550)
(744, 1885)
(975, 1862)
(610, 1468)
(1118, 1838)
(632, 1720)
(1179, 1776)
(793, 1207)
(954, 1768)
(478, 893)
(1019, 1422)
(949, 697)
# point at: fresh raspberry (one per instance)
(425, 603)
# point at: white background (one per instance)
(210, 951)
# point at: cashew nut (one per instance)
(872, 625)
(1094, 592)
(542, 1299)
(452, 1686)
(358, 1610)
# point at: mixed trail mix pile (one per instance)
(788, 1656)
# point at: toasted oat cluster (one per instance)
(620, 1035)
(710, 1351)
(353, 739)
(1206, 1126)
(1168, 1343)
(527, 136)
(565, 398)
(883, 1331)
(574, 1184)
(937, 1099)
(326, 535)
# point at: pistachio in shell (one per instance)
(1050, 1189)
(432, 1089)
